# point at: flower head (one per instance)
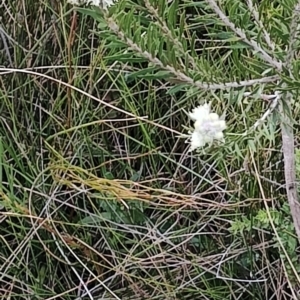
(208, 127)
(105, 3)
(199, 112)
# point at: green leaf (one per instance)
(95, 13)
(177, 88)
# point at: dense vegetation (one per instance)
(100, 198)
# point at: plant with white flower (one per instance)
(104, 3)
(208, 126)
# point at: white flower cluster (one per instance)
(208, 126)
(105, 3)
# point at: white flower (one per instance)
(207, 127)
(199, 112)
(105, 3)
(197, 140)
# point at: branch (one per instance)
(294, 30)
(183, 78)
(287, 131)
(164, 27)
(269, 110)
(238, 31)
(288, 148)
(259, 23)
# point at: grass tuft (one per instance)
(99, 198)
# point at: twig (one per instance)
(287, 131)
(294, 30)
(264, 55)
(269, 111)
(259, 23)
(264, 97)
(288, 147)
(183, 78)
(164, 27)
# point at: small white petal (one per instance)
(196, 141)
(219, 135)
(213, 117)
(200, 112)
(222, 125)
(208, 139)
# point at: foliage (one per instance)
(100, 198)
